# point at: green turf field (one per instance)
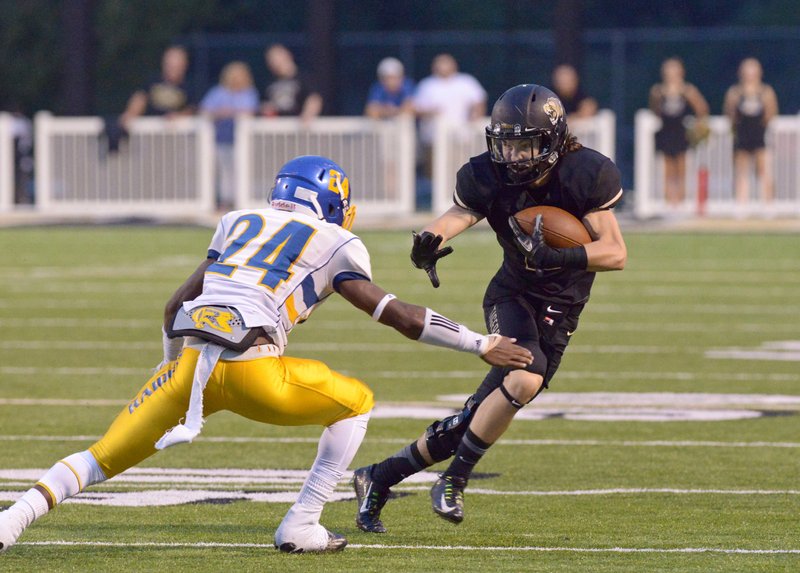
(668, 442)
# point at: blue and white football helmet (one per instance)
(316, 186)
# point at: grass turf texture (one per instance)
(646, 330)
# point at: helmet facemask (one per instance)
(522, 158)
(526, 135)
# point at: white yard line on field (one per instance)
(91, 345)
(382, 546)
(502, 442)
(72, 371)
(767, 325)
(439, 374)
(61, 322)
(77, 345)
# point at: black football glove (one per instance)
(542, 257)
(425, 252)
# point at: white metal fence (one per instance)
(165, 167)
(710, 180)
(6, 162)
(378, 157)
(455, 144)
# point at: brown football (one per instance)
(561, 229)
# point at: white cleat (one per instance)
(11, 527)
(320, 541)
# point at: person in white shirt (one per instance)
(225, 331)
(455, 96)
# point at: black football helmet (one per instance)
(527, 134)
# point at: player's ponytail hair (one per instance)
(571, 143)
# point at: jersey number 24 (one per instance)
(274, 258)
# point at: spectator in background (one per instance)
(234, 95)
(167, 94)
(675, 101)
(22, 133)
(750, 105)
(289, 94)
(446, 93)
(566, 86)
(392, 93)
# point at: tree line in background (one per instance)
(51, 50)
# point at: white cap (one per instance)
(390, 67)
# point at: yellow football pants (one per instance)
(274, 390)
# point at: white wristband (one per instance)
(376, 314)
(441, 331)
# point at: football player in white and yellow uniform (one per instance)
(226, 329)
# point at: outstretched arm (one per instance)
(423, 324)
(452, 222)
(425, 251)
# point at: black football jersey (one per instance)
(583, 181)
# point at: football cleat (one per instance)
(447, 497)
(335, 543)
(371, 500)
(11, 527)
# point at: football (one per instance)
(561, 229)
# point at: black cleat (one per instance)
(371, 500)
(335, 543)
(447, 497)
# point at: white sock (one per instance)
(66, 478)
(337, 448)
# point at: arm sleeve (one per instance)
(251, 103)
(478, 93)
(422, 97)
(608, 188)
(374, 94)
(210, 101)
(467, 194)
(215, 248)
(350, 262)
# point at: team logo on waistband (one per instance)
(216, 319)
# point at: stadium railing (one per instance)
(455, 144)
(6, 162)
(379, 157)
(710, 185)
(164, 167)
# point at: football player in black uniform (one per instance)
(536, 296)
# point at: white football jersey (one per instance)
(275, 267)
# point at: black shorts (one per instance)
(749, 135)
(541, 326)
(671, 138)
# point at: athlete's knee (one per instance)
(521, 386)
(443, 436)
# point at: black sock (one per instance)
(468, 454)
(398, 467)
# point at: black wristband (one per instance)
(574, 258)
(567, 257)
